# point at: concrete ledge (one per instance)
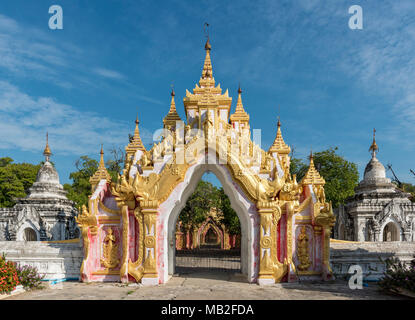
(369, 256)
(54, 260)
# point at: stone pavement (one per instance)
(206, 286)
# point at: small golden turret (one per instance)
(279, 145)
(240, 114)
(100, 174)
(136, 143)
(171, 118)
(312, 176)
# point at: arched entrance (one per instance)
(245, 209)
(29, 235)
(144, 203)
(204, 233)
(390, 232)
(211, 237)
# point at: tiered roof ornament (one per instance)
(312, 176)
(136, 143)
(205, 94)
(279, 145)
(100, 174)
(240, 113)
(171, 118)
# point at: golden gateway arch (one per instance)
(128, 229)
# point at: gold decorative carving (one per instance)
(150, 241)
(111, 257)
(108, 220)
(125, 227)
(106, 272)
(106, 209)
(303, 250)
(86, 222)
(136, 269)
(266, 242)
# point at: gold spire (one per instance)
(279, 145)
(240, 113)
(312, 176)
(136, 143)
(172, 116)
(207, 72)
(374, 147)
(47, 153)
(101, 173)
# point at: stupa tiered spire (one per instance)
(312, 176)
(136, 143)
(279, 145)
(101, 173)
(172, 116)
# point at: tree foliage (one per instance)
(199, 204)
(15, 180)
(341, 176)
(230, 218)
(80, 188)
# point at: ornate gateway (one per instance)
(129, 229)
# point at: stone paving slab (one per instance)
(206, 286)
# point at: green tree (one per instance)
(80, 188)
(410, 188)
(341, 175)
(205, 197)
(230, 218)
(199, 204)
(15, 180)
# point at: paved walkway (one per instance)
(206, 286)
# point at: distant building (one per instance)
(378, 211)
(45, 214)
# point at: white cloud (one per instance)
(24, 120)
(108, 73)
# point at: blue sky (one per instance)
(298, 59)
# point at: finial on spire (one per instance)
(311, 155)
(206, 29)
(172, 92)
(101, 161)
(278, 122)
(136, 120)
(47, 153)
(374, 147)
(239, 88)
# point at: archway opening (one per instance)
(390, 232)
(29, 235)
(208, 231)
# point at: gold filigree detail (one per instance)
(303, 250)
(111, 258)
